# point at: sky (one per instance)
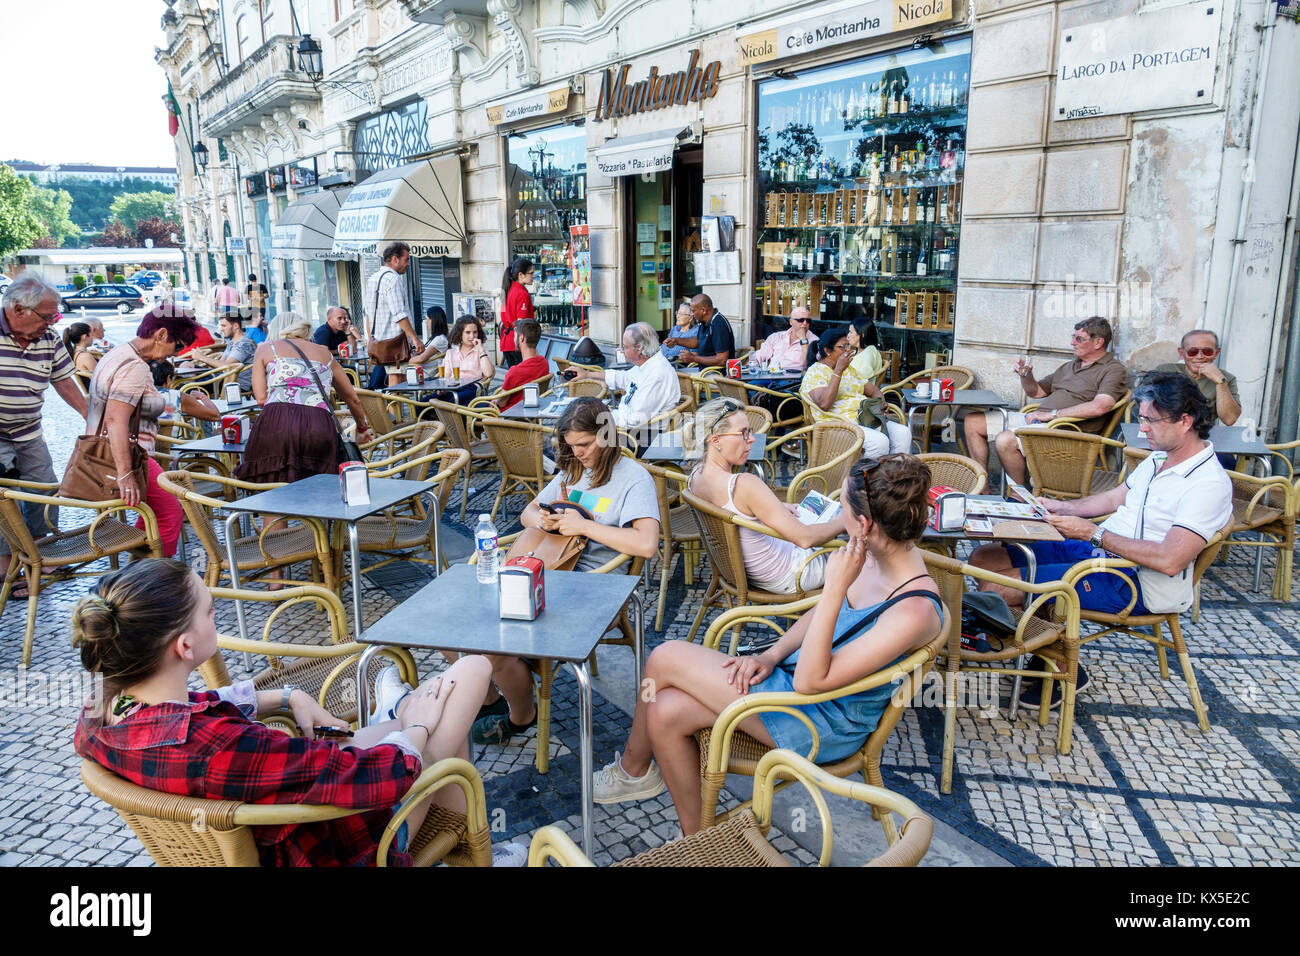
(67, 63)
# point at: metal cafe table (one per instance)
(961, 398)
(215, 445)
(454, 612)
(318, 498)
(667, 446)
(545, 410)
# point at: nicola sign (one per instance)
(848, 22)
(1148, 61)
(534, 103)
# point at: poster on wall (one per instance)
(645, 232)
(580, 264)
(717, 268)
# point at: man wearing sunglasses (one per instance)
(1087, 387)
(31, 357)
(789, 348)
(1199, 352)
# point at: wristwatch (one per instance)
(285, 692)
(1095, 540)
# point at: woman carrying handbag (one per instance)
(124, 410)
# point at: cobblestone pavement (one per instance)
(1141, 785)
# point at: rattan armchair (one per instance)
(519, 448)
(720, 532)
(1110, 423)
(725, 748)
(256, 554)
(401, 533)
(463, 428)
(1267, 508)
(491, 403)
(1064, 463)
(832, 446)
(686, 382)
(165, 823)
(786, 408)
(956, 471)
(586, 388)
(1137, 625)
(1048, 627)
(742, 839)
(679, 532)
(62, 554)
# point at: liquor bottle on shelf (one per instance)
(943, 204)
(905, 100)
(906, 206)
(889, 207)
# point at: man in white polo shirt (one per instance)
(650, 387)
(1164, 513)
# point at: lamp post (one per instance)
(201, 157)
(313, 65)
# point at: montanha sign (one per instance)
(618, 97)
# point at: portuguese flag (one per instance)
(173, 112)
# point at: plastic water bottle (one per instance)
(485, 542)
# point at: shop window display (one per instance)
(860, 190)
(547, 190)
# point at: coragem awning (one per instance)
(421, 204)
(306, 227)
(642, 153)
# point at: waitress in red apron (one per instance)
(518, 305)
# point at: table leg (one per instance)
(638, 631)
(1267, 468)
(354, 546)
(437, 536)
(234, 570)
(363, 685)
(1031, 572)
(584, 736)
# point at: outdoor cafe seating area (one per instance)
(325, 600)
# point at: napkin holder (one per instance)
(522, 588)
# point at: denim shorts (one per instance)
(1100, 591)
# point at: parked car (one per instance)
(124, 298)
(4, 283)
(145, 279)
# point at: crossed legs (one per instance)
(1009, 453)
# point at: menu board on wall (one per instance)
(717, 268)
(580, 264)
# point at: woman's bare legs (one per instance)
(688, 689)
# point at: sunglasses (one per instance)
(804, 320)
(1198, 353)
(732, 406)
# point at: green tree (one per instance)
(52, 209)
(130, 208)
(19, 227)
(91, 199)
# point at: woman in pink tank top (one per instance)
(783, 561)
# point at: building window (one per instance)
(546, 190)
(343, 7)
(860, 169)
(243, 42)
(267, 12)
(392, 137)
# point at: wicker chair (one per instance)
(62, 554)
(519, 447)
(462, 426)
(1048, 627)
(1109, 426)
(690, 396)
(741, 840)
(491, 403)
(788, 406)
(1135, 625)
(1267, 508)
(165, 823)
(587, 388)
(725, 748)
(256, 554)
(832, 448)
(720, 532)
(678, 532)
(1063, 463)
(956, 471)
(401, 533)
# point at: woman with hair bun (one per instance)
(147, 627)
(77, 340)
(878, 582)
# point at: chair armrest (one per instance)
(1263, 487)
(613, 564)
(552, 843)
(1062, 592)
(451, 771)
(737, 617)
(808, 474)
(327, 600)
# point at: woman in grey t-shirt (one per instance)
(619, 494)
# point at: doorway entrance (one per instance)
(662, 211)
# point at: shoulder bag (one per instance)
(393, 351)
(557, 552)
(91, 474)
(348, 450)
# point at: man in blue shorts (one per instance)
(1164, 513)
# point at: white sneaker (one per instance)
(613, 785)
(509, 854)
(389, 692)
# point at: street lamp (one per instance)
(201, 156)
(309, 57)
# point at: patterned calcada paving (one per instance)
(1141, 785)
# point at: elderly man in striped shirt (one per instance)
(31, 358)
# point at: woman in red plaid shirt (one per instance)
(153, 731)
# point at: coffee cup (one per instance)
(923, 389)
